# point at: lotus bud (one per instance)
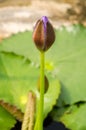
(43, 34)
(46, 84)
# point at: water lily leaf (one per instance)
(21, 44)
(73, 117)
(65, 59)
(6, 120)
(18, 76)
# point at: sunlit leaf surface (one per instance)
(66, 59)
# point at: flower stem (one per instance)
(39, 119)
(41, 102)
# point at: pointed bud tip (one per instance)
(44, 19)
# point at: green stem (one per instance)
(39, 120)
(41, 102)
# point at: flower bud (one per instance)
(46, 84)
(43, 34)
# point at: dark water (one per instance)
(55, 126)
(49, 124)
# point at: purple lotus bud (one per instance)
(43, 34)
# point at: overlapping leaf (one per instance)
(18, 77)
(73, 117)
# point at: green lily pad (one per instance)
(6, 120)
(21, 44)
(18, 76)
(65, 59)
(73, 117)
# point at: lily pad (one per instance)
(21, 44)
(73, 117)
(18, 76)
(65, 60)
(6, 120)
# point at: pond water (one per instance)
(49, 124)
(52, 126)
